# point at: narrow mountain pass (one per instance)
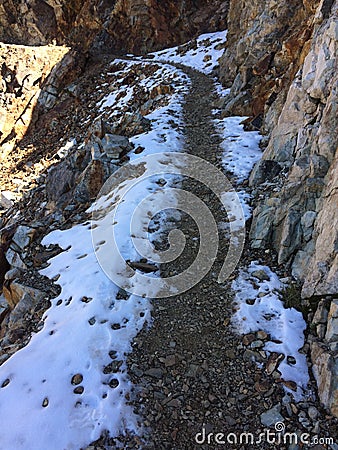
(195, 375)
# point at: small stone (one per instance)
(248, 338)
(5, 383)
(271, 416)
(291, 360)
(170, 361)
(262, 386)
(290, 385)
(261, 275)
(113, 383)
(136, 370)
(77, 379)
(192, 372)
(273, 362)
(250, 355)
(174, 403)
(262, 335)
(230, 420)
(313, 413)
(257, 344)
(78, 390)
(155, 373)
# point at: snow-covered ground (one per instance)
(70, 383)
(201, 54)
(259, 304)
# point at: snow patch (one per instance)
(260, 308)
(202, 54)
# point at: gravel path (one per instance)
(193, 373)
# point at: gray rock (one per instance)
(313, 412)
(113, 145)
(325, 370)
(23, 236)
(265, 170)
(322, 312)
(307, 222)
(14, 259)
(332, 323)
(261, 275)
(272, 416)
(261, 229)
(7, 199)
(291, 236)
(25, 305)
(155, 373)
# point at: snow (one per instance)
(203, 56)
(241, 148)
(88, 326)
(265, 311)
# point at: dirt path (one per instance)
(193, 370)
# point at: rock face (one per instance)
(281, 64)
(23, 73)
(266, 44)
(120, 25)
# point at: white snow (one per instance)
(86, 322)
(260, 308)
(88, 325)
(203, 56)
(241, 148)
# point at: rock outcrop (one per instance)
(281, 63)
(24, 71)
(117, 26)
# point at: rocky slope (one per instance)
(282, 60)
(120, 26)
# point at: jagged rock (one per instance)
(16, 291)
(114, 145)
(23, 236)
(307, 222)
(4, 308)
(291, 236)
(272, 416)
(265, 170)
(60, 181)
(303, 228)
(90, 182)
(27, 68)
(258, 48)
(7, 199)
(14, 259)
(261, 228)
(123, 25)
(332, 323)
(4, 265)
(325, 370)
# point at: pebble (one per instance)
(77, 379)
(155, 373)
(261, 275)
(271, 416)
(313, 412)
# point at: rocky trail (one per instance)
(194, 376)
(220, 365)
